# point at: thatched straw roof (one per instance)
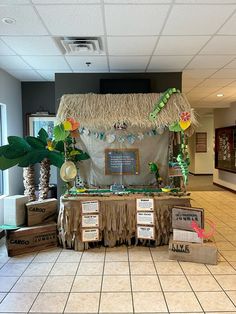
(100, 112)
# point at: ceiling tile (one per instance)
(138, 1)
(225, 45)
(225, 73)
(191, 82)
(231, 65)
(198, 73)
(176, 63)
(79, 63)
(72, 20)
(131, 45)
(180, 45)
(128, 63)
(229, 27)
(65, 1)
(206, 1)
(26, 75)
(209, 62)
(27, 21)
(13, 62)
(32, 45)
(215, 83)
(135, 20)
(4, 50)
(11, 2)
(196, 19)
(46, 62)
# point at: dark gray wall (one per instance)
(72, 83)
(37, 96)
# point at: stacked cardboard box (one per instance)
(186, 245)
(39, 220)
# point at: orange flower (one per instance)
(70, 124)
(50, 145)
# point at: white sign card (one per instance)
(145, 218)
(90, 221)
(90, 207)
(90, 235)
(145, 204)
(145, 232)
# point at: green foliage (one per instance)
(59, 133)
(56, 158)
(17, 147)
(35, 142)
(31, 150)
(43, 136)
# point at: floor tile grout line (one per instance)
(130, 278)
(194, 292)
(100, 293)
(167, 307)
(69, 293)
(45, 278)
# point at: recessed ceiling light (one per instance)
(220, 95)
(8, 20)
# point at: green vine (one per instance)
(162, 102)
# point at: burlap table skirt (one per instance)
(117, 220)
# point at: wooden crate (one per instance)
(182, 217)
(40, 212)
(30, 239)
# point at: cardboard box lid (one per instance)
(46, 201)
(33, 230)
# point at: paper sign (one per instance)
(145, 218)
(90, 207)
(145, 204)
(145, 232)
(90, 221)
(90, 235)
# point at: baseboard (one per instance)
(224, 187)
(201, 174)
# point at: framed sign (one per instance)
(122, 161)
(90, 235)
(225, 149)
(36, 121)
(144, 232)
(90, 221)
(201, 142)
(145, 204)
(90, 207)
(145, 218)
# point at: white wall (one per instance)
(10, 96)
(202, 163)
(225, 117)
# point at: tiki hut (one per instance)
(121, 121)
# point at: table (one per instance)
(117, 219)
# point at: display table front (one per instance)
(117, 219)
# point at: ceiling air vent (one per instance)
(82, 45)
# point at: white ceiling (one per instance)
(197, 37)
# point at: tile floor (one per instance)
(126, 280)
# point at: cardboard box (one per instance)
(40, 212)
(205, 253)
(182, 217)
(2, 209)
(14, 210)
(186, 236)
(30, 239)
